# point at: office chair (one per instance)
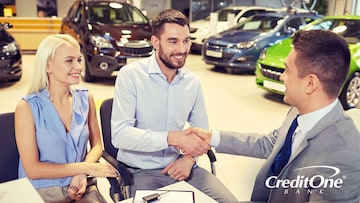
(119, 187)
(120, 190)
(9, 156)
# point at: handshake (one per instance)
(192, 141)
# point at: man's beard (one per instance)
(169, 65)
(167, 62)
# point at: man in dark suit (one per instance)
(320, 159)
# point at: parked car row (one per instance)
(201, 29)
(261, 43)
(239, 47)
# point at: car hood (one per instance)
(204, 26)
(235, 36)
(122, 31)
(277, 53)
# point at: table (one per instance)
(200, 197)
(19, 190)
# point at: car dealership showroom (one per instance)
(233, 99)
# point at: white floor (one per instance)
(233, 102)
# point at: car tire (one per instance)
(350, 93)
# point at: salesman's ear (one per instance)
(312, 83)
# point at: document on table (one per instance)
(166, 196)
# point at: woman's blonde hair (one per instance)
(45, 53)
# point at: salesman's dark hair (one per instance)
(325, 54)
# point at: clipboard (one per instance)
(166, 196)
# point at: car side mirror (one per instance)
(290, 30)
(75, 20)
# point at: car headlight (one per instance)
(245, 45)
(10, 48)
(101, 42)
(262, 54)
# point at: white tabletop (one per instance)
(200, 197)
(19, 190)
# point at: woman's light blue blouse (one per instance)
(55, 144)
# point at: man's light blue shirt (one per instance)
(146, 107)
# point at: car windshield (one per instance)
(223, 14)
(115, 13)
(258, 23)
(349, 29)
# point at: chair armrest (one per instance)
(119, 186)
(120, 167)
(211, 156)
(212, 159)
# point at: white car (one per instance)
(201, 29)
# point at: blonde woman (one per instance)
(54, 123)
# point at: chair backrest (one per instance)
(105, 118)
(9, 156)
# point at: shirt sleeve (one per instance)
(198, 116)
(215, 138)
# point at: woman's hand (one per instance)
(77, 187)
(102, 170)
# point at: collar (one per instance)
(308, 121)
(154, 68)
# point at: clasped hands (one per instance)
(192, 141)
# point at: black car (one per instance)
(110, 34)
(10, 56)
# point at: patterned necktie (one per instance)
(283, 156)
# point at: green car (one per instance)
(270, 65)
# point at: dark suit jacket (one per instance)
(325, 167)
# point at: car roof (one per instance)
(245, 7)
(282, 13)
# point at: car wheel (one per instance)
(85, 74)
(350, 94)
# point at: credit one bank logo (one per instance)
(314, 182)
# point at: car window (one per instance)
(74, 10)
(108, 14)
(346, 28)
(294, 23)
(259, 23)
(222, 16)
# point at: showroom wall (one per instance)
(27, 8)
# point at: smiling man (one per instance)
(314, 156)
(154, 99)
